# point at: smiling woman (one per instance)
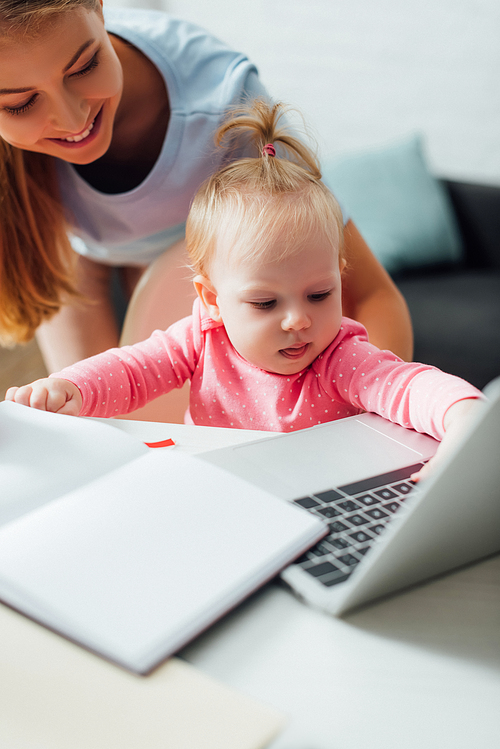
(42, 100)
(70, 92)
(62, 98)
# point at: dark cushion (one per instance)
(456, 319)
(477, 210)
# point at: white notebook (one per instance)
(130, 552)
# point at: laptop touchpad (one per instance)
(320, 458)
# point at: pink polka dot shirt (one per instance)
(350, 376)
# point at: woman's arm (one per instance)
(371, 297)
(83, 327)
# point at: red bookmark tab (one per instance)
(162, 443)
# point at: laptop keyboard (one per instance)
(356, 513)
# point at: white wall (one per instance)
(365, 72)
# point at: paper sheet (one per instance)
(45, 455)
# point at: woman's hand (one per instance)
(48, 394)
(456, 421)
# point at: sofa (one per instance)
(455, 307)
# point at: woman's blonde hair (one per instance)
(36, 259)
(253, 200)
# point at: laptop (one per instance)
(385, 533)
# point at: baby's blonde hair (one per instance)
(254, 200)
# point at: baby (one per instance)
(266, 346)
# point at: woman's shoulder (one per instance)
(155, 26)
(192, 60)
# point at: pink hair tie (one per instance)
(269, 149)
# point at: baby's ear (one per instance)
(208, 295)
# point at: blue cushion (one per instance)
(401, 210)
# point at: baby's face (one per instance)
(280, 315)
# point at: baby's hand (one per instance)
(456, 421)
(49, 394)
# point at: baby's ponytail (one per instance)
(275, 190)
(262, 125)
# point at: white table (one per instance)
(418, 671)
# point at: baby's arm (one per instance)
(417, 396)
(456, 421)
(49, 394)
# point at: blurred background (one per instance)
(366, 72)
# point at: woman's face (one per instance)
(59, 91)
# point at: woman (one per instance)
(106, 132)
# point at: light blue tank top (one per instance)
(203, 78)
